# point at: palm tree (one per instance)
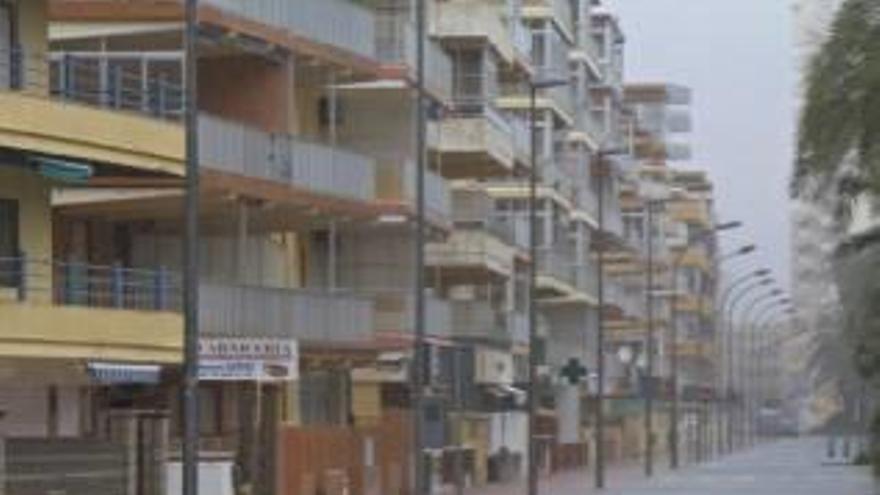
(839, 137)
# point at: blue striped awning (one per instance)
(120, 374)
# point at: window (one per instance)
(9, 247)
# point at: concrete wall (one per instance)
(26, 411)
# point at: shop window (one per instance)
(9, 246)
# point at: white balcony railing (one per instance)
(396, 44)
(395, 312)
(241, 149)
(556, 264)
(437, 196)
(339, 23)
(308, 316)
(479, 320)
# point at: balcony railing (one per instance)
(241, 149)
(306, 315)
(395, 312)
(396, 44)
(338, 23)
(479, 320)
(148, 85)
(30, 280)
(556, 264)
(437, 197)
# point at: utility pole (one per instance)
(420, 351)
(600, 333)
(190, 397)
(649, 347)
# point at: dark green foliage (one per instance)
(839, 134)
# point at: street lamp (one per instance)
(533, 276)
(744, 349)
(736, 297)
(674, 410)
(751, 359)
(189, 391)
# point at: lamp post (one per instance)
(745, 349)
(736, 297)
(420, 350)
(533, 403)
(189, 392)
(727, 342)
(770, 347)
(751, 371)
(674, 410)
(707, 449)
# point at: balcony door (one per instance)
(7, 34)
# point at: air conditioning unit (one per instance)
(493, 367)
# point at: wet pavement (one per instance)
(786, 467)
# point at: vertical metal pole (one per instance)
(420, 354)
(674, 412)
(190, 397)
(649, 348)
(600, 333)
(460, 407)
(532, 307)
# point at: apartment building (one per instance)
(87, 343)
(307, 272)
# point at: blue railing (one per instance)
(144, 84)
(80, 284)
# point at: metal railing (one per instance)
(395, 312)
(340, 23)
(438, 200)
(80, 284)
(396, 44)
(148, 86)
(478, 319)
(241, 149)
(307, 315)
(557, 264)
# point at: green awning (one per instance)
(62, 170)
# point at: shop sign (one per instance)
(248, 359)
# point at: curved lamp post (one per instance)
(735, 298)
(674, 410)
(754, 361)
(745, 349)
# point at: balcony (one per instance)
(395, 314)
(475, 20)
(476, 146)
(309, 316)
(555, 271)
(558, 10)
(70, 310)
(62, 105)
(472, 252)
(243, 150)
(479, 320)
(337, 23)
(396, 45)
(396, 183)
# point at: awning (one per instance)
(119, 374)
(62, 170)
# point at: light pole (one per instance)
(736, 297)
(706, 444)
(771, 343)
(420, 351)
(752, 360)
(533, 403)
(190, 389)
(727, 342)
(745, 350)
(674, 410)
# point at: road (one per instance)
(789, 467)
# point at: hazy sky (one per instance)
(738, 58)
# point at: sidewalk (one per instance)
(617, 475)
